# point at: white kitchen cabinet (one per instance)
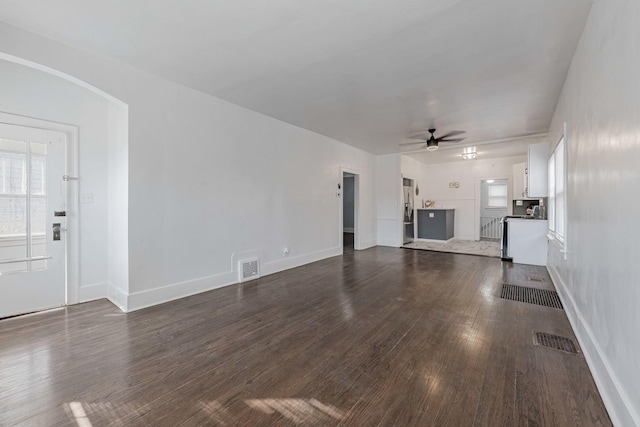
(537, 176)
(519, 181)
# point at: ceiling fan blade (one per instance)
(420, 135)
(451, 140)
(411, 143)
(452, 133)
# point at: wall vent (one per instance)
(248, 269)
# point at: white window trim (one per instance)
(559, 240)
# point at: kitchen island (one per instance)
(436, 224)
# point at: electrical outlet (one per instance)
(285, 251)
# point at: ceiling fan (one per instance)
(432, 141)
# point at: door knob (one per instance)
(56, 231)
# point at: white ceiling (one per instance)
(484, 151)
(365, 72)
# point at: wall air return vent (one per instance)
(248, 269)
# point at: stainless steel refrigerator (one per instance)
(408, 216)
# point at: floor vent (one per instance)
(248, 269)
(531, 295)
(536, 279)
(556, 342)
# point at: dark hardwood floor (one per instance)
(380, 337)
(347, 242)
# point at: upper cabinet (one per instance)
(537, 175)
(530, 178)
(519, 181)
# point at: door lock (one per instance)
(56, 231)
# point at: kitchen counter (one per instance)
(527, 239)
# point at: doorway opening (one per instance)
(494, 204)
(407, 211)
(349, 211)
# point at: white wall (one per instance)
(33, 93)
(463, 199)
(388, 186)
(118, 205)
(600, 281)
(211, 182)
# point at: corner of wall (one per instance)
(118, 297)
(93, 292)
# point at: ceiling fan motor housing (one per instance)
(432, 144)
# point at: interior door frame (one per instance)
(72, 235)
(356, 207)
(478, 201)
(415, 207)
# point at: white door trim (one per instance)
(356, 207)
(478, 201)
(72, 265)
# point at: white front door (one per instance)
(32, 202)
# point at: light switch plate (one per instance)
(432, 215)
(86, 198)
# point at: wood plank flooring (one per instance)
(382, 337)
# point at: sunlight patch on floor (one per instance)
(298, 411)
(216, 412)
(79, 415)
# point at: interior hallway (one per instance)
(382, 336)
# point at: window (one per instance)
(559, 184)
(14, 179)
(551, 211)
(557, 195)
(497, 196)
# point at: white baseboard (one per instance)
(117, 297)
(433, 240)
(174, 291)
(297, 261)
(93, 292)
(151, 297)
(366, 244)
(618, 404)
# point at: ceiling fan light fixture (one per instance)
(432, 145)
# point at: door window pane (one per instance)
(13, 204)
(38, 198)
(23, 202)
